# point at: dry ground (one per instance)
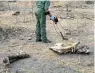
(18, 33)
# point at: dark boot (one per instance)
(39, 40)
(46, 41)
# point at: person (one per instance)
(42, 9)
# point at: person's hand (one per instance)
(52, 18)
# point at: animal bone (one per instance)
(73, 47)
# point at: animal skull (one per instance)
(73, 47)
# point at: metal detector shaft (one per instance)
(62, 35)
(60, 32)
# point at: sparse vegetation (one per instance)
(18, 33)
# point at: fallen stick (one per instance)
(12, 58)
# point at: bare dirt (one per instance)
(18, 33)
